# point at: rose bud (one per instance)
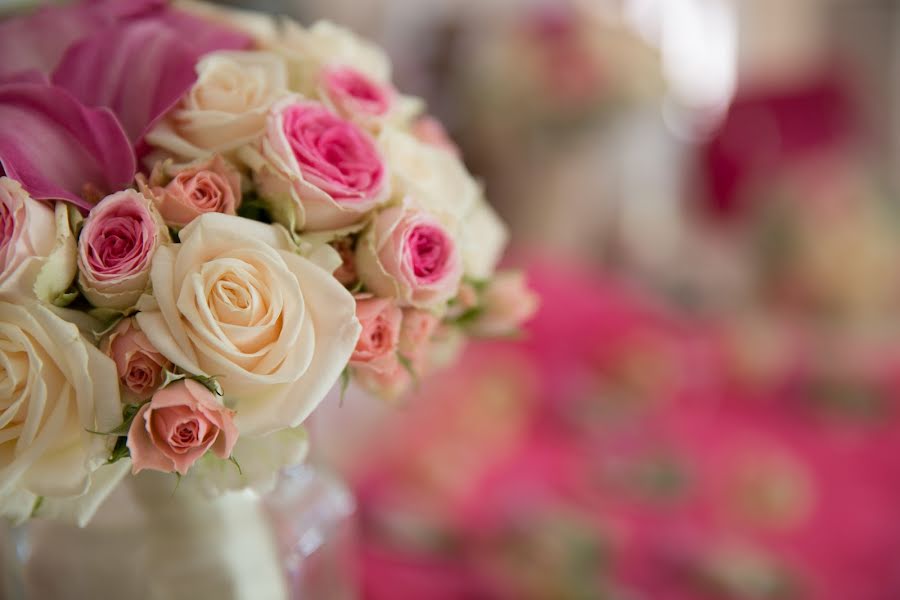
(140, 366)
(212, 185)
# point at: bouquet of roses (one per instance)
(207, 219)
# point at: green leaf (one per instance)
(128, 413)
(37, 506)
(468, 317)
(233, 460)
(255, 208)
(120, 451)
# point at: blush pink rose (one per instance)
(506, 304)
(179, 424)
(429, 130)
(115, 249)
(212, 185)
(354, 95)
(140, 366)
(409, 255)
(316, 170)
(27, 234)
(415, 335)
(376, 348)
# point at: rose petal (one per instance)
(58, 147)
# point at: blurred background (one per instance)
(704, 193)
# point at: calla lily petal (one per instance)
(57, 148)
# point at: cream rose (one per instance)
(307, 51)
(37, 248)
(54, 389)
(234, 300)
(226, 108)
(441, 185)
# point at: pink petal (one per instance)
(55, 147)
(139, 71)
(39, 39)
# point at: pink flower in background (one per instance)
(179, 424)
(115, 249)
(354, 95)
(209, 186)
(409, 255)
(139, 365)
(27, 232)
(323, 171)
(377, 346)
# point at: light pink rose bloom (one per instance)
(179, 424)
(389, 383)
(139, 365)
(316, 170)
(212, 185)
(429, 130)
(416, 333)
(376, 348)
(27, 234)
(507, 303)
(409, 255)
(354, 95)
(115, 249)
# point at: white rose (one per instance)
(37, 251)
(226, 107)
(234, 300)
(308, 50)
(440, 184)
(54, 389)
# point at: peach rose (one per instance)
(140, 366)
(179, 424)
(212, 185)
(377, 346)
(408, 255)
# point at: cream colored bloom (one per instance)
(226, 108)
(37, 252)
(307, 51)
(234, 300)
(54, 389)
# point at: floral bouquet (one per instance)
(208, 219)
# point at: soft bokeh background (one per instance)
(706, 406)
(705, 194)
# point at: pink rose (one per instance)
(390, 383)
(139, 365)
(507, 303)
(209, 186)
(376, 348)
(354, 95)
(118, 241)
(316, 170)
(27, 234)
(429, 130)
(179, 424)
(409, 255)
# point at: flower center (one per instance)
(428, 252)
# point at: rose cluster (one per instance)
(217, 227)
